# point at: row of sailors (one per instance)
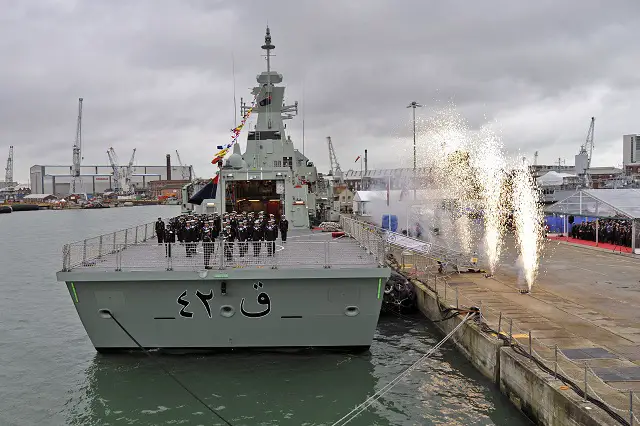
(231, 228)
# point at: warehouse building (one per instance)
(99, 179)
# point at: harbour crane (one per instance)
(113, 160)
(8, 171)
(185, 171)
(586, 154)
(335, 169)
(129, 173)
(76, 179)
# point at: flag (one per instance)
(357, 158)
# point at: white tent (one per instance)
(553, 178)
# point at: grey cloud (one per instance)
(156, 74)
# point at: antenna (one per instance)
(233, 70)
(303, 108)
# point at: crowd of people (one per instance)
(234, 229)
(610, 231)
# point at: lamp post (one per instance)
(414, 105)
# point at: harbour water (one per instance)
(51, 375)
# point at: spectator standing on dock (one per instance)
(160, 230)
(284, 228)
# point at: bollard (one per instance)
(530, 350)
(585, 381)
(630, 408)
(555, 368)
(457, 306)
(511, 331)
(499, 324)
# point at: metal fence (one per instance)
(364, 232)
(86, 252)
(425, 267)
(132, 250)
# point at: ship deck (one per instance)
(304, 249)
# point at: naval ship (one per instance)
(315, 291)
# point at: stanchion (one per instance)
(555, 367)
(457, 306)
(511, 331)
(585, 382)
(530, 349)
(499, 323)
(630, 408)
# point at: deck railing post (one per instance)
(100, 246)
(114, 242)
(457, 307)
(631, 408)
(84, 252)
(530, 348)
(555, 367)
(119, 260)
(136, 240)
(511, 331)
(126, 237)
(221, 254)
(585, 381)
(326, 254)
(499, 324)
(145, 231)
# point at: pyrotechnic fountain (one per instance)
(470, 167)
(528, 220)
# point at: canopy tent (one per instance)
(553, 178)
(601, 203)
(621, 204)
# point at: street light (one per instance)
(414, 105)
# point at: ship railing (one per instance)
(400, 244)
(87, 252)
(146, 256)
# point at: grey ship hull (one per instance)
(329, 308)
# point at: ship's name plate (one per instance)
(262, 299)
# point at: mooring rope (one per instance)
(367, 403)
(182, 385)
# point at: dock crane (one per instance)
(586, 154)
(113, 160)
(185, 172)
(8, 171)
(76, 179)
(129, 173)
(335, 169)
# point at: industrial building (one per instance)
(99, 179)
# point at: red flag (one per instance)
(216, 179)
(357, 159)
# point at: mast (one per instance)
(268, 46)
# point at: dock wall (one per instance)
(534, 392)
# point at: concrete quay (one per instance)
(581, 320)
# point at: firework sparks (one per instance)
(528, 220)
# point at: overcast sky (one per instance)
(157, 75)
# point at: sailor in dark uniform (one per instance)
(257, 237)
(242, 235)
(270, 235)
(160, 230)
(208, 242)
(284, 228)
(227, 238)
(169, 238)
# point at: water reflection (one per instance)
(295, 389)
